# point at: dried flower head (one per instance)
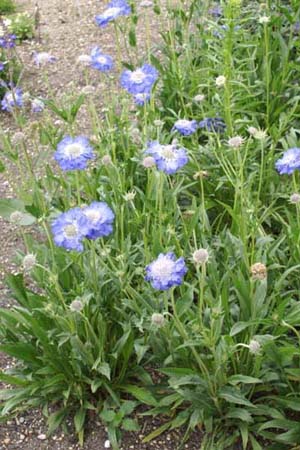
(200, 256)
(106, 160)
(29, 261)
(129, 196)
(258, 271)
(254, 347)
(236, 141)
(148, 162)
(295, 198)
(200, 174)
(199, 98)
(157, 319)
(264, 19)
(76, 305)
(220, 81)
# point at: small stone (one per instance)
(22, 437)
(21, 420)
(42, 437)
(6, 441)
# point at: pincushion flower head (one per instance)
(74, 153)
(185, 127)
(215, 124)
(100, 61)
(166, 271)
(289, 162)
(37, 105)
(100, 219)
(114, 9)
(12, 99)
(139, 81)
(70, 228)
(43, 58)
(168, 158)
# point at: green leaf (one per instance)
(104, 369)
(107, 415)
(239, 413)
(156, 432)
(130, 425)
(79, 419)
(10, 205)
(55, 419)
(232, 395)
(141, 394)
(238, 327)
(244, 379)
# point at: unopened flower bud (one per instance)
(18, 137)
(129, 197)
(236, 141)
(295, 198)
(106, 160)
(220, 81)
(199, 98)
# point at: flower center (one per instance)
(168, 152)
(183, 123)
(162, 269)
(101, 59)
(138, 76)
(111, 12)
(10, 98)
(74, 150)
(93, 215)
(71, 230)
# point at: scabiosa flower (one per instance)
(29, 261)
(200, 256)
(216, 11)
(43, 58)
(74, 153)
(215, 124)
(166, 271)
(37, 105)
(141, 99)
(168, 158)
(148, 162)
(157, 319)
(115, 9)
(100, 61)
(236, 141)
(295, 198)
(84, 60)
(8, 41)
(140, 80)
(70, 228)
(220, 81)
(185, 127)
(289, 162)
(264, 19)
(1, 66)
(258, 271)
(100, 218)
(11, 99)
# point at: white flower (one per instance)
(107, 444)
(29, 261)
(235, 141)
(220, 81)
(146, 3)
(157, 319)
(200, 256)
(264, 19)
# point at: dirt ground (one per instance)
(67, 30)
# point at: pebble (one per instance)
(42, 437)
(6, 441)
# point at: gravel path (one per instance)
(67, 30)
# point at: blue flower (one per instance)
(140, 80)
(70, 228)
(166, 272)
(185, 127)
(74, 153)
(100, 61)
(168, 158)
(1, 66)
(43, 58)
(37, 105)
(12, 98)
(216, 11)
(8, 41)
(100, 218)
(115, 9)
(215, 124)
(289, 162)
(141, 99)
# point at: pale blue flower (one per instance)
(12, 99)
(168, 158)
(74, 153)
(100, 219)
(114, 9)
(70, 228)
(100, 61)
(185, 127)
(289, 162)
(139, 81)
(166, 271)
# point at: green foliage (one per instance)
(226, 355)
(20, 24)
(7, 6)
